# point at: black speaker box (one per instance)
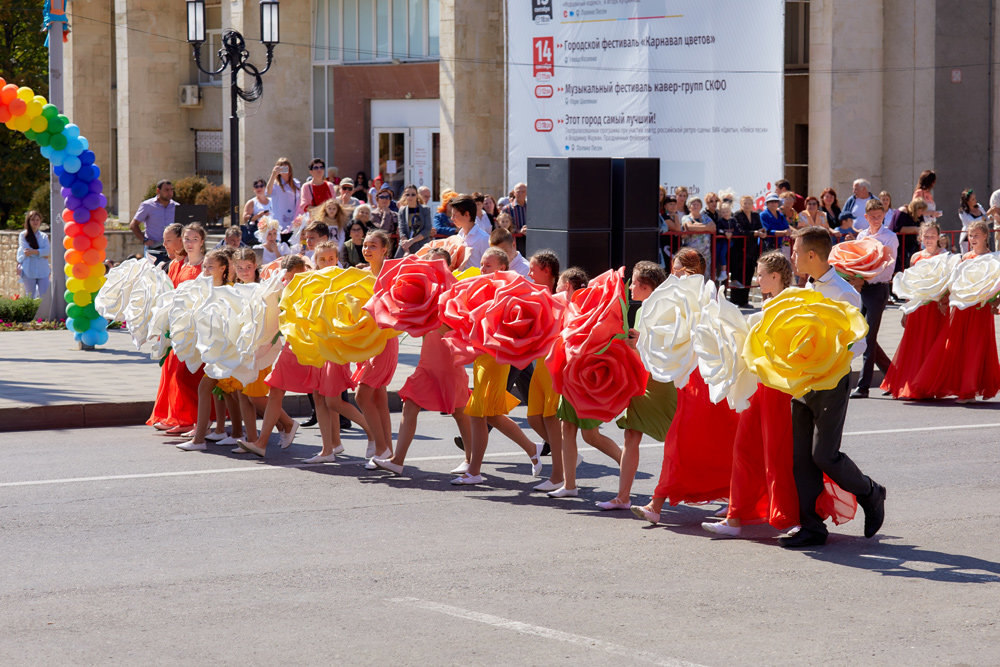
(635, 192)
(590, 250)
(569, 193)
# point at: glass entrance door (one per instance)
(407, 155)
(390, 153)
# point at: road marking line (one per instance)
(416, 459)
(540, 631)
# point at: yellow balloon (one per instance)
(93, 283)
(82, 298)
(21, 123)
(74, 284)
(68, 270)
(40, 123)
(33, 110)
(41, 100)
(25, 93)
(96, 269)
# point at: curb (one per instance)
(134, 413)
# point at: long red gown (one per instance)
(177, 397)
(698, 451)
(762, 487)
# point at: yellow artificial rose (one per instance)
(323, 319)
(802, 341)
(470, 272)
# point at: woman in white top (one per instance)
(255, 209)
(283, 189)
(33, 256)
(270, 247)
(969, 210)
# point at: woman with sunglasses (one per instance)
(317, 189)
(415, 223)
(254, 210)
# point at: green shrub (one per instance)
(186, 190)
(40, 200)
(18, 309)
(216, 198)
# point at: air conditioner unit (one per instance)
(190, 97)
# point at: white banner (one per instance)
(696, 83)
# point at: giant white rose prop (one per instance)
(975, 281)
(719, 338)
(114, 294)
(666, 328)
(129, 295)
(258, 339)
(181, 322)
(926, 281)
(217, 324)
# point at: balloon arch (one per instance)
(62, 144)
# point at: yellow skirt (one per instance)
(542, 398)
(489, 389)
(256, 388)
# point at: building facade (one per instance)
(413, 90)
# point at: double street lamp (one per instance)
(234, 55)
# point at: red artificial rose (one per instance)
(598, 386)
(521, 322)
(456, 307)
(865, 258)
(406, 294)
(596, 313)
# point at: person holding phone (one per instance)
(254, 210)
(283, 189)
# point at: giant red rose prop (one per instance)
(598, 386)
(520, 323)
(596, 314)
(406, 294)
(456, 307)
(863, 259)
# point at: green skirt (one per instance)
(567, 413)
(652, 412)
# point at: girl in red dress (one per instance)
(963, 361)
(698, 452)
(921, 330)
(176, 407)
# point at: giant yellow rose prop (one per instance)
(802, 341)
(323, 319)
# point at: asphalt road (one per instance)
(118, 548)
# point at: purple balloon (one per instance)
(72, 203)
(91, 201)
(102, 201)
(96, 186)
(66, 192)
(81, 214)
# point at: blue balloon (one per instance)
(88, 157)
(46, 152)
(81, 214)
(80, 189)
(71, 164)
(86, 172)
(69, 324)
(96, 185)
(89, 337)
(59, 171)
(98, 324)
(73, 147)
(102, 337)
(97, 172)
(76, 334)
(85, 143)
(71, 131)
(66, 180)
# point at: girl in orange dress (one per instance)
(921, 330)
(963, 361)
(438, 384)
(176, 407)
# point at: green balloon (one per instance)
(58, 142)
(62, 118)
(89, 311)
(81, 325)
(50, 111)
(43, 139)
(32, 135)
(56, 125)
(74, 311)
(68, 296)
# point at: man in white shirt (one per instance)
(482, 220)
(875, 296)
(464, 216)
(818, 416)
(501, 238)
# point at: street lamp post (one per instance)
(234, 55)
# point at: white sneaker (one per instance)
(319, 458)
(723, 511)
(285, 439)
(192, 446)
(228, 440)
(467, 479)
(370, 452)
(462, 468)
(721, 528)
(547, 485)
(536, 461)
(214, 437)
(388, 465)
(563, 492)
(339, 449)
(371, 465)
(238, 449)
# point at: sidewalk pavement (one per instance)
(45, 382)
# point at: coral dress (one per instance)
(378, 371)
(698, 452)
(437, 383)
(963, 361)
(177, 397)
(289, 375)
(762, 486)
(923, 326)
(335, 379)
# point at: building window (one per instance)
(365, 31)
(322, 113)
(796, 35)
(213, 42)
(208, 155)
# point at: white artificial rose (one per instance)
(975, 281)
(113, 297)
(257, 341)
(926, 281)
(149, 286)
(217, 324)
(185, 301)
(669, 316)
(718, 341)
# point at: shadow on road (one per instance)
(906, 560)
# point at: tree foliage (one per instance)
(24, 61)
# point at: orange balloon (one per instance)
(93, 229)
(73, 257)
(82, 242)
(81, 271)
(93, 256)
(68, 242)
(99, 242)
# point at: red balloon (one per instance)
(93, 256)
(67, 215)
(93, 229)
(99, 242)
(81, 271)
(17, 107)
(82, 242)
(73, 229)
(99, 215)
(8, 93)
(4, 113)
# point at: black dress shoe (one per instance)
(311, 421)
(459, 443)
(874, 507)
(546, 450)
(345, 423)
(859, 393)
(802, 539)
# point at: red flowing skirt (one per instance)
(698, 452)
(177, 397)
(963, 362)
(378, 371)
(923, 328)
(437, 383)
(763, 484)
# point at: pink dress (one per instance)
(437, 384)
(334, 379)
(378, 371)
(289, 375)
